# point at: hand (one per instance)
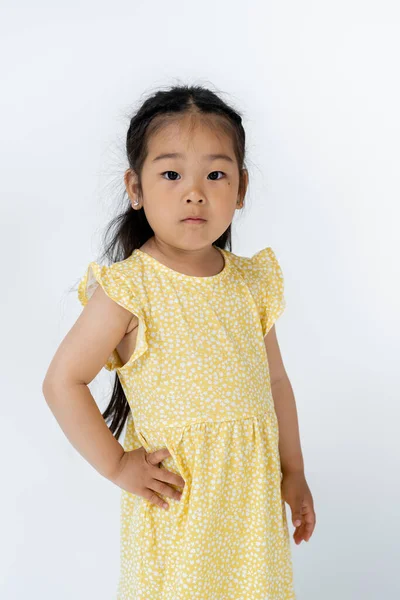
(296, 493)
(138, 473)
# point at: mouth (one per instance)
(193, 220)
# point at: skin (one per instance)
(294, 487)
(104, 325)
(174, 188)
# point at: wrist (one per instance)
(114, 470)
(299, 472)
(296, 465)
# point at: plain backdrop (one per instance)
(318, 86)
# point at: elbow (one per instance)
(47, 387)
(280, 378)
(50, 387)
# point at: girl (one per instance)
(189, 328)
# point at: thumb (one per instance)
(296, 514)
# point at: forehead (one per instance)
(190, 134)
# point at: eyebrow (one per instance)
(210, 157)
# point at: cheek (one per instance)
(159, 211)
(227, 207)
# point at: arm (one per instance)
(80, 356)
(285, 408)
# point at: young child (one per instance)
(189, 328)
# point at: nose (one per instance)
(195, 192)
(195, 195)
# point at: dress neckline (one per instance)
(184, 276)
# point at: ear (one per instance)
(244, 181)
(132, 185)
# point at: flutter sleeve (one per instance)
(269, 287)
(119, 289)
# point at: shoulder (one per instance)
(128, 266)
(262, 264)
(119, 281)
(263, 277)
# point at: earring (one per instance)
(136, 202)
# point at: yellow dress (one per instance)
(198, 383)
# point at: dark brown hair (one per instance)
(130, 229)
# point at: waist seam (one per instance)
(181, 425)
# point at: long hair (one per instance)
(130, 229)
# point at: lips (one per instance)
(195, 219)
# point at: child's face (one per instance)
(177, 187)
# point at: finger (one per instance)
(164, 474)
(167, 476)
(166, 490)
(309, 530)
(154, 499)
(298, 535)
(303, 532)
(157, 456)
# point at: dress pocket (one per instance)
(143, 441)
(152, 441)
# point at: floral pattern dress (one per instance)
(198, 384)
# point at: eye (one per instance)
(213, 179)
(217, 172)
(170, 172)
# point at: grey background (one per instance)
(319, 88)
